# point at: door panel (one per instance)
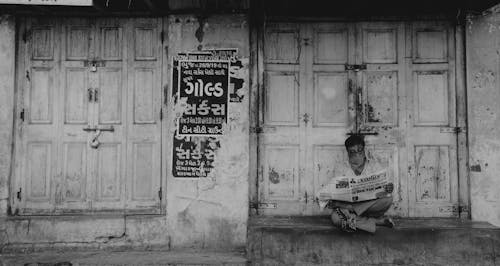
(282, 98)
(91, 100)
(380, 91)
(330, 99)
(143, 116)
(76, 105)
(74, 154)
(78, 41)
(108, 185)
(43, 42)
(41, 95)
(75, 171)
(380, 44)
(39, 171)
(382, 112)
(331, 45)
(282, 172)
(430, 43)
(144, 112)
(110, 95)
(282, 44)
(433, 183)
(431, 98)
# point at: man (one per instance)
(364, 215)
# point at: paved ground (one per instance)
(49, 258)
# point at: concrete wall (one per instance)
(483, 94)
(208, 213)
(215, 208)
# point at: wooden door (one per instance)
(88, 133)
(309, 107)
(381, 92)
(281, 141)
(432, 135)
(325, 80)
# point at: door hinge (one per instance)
(452, 130)
(160, 194)
(355, 67)
(21, 115)
(162, 36)
(161, 114)
(19, 194)
(460, 209)
(256, 129)
(26, 35)
(263, 205)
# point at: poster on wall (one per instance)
(193, 154)
(235, 82)
(204, 86)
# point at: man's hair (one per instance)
(354, 140)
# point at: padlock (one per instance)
(95, 142)
(93, 67)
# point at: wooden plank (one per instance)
(463, 170)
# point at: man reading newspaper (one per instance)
(361, 196)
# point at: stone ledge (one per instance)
(173, 257)
(313, 240)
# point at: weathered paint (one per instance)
(483, 94)
(7, 59)
(209, 212)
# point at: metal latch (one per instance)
(452, 130)
(266, 129)
(100, 128)
(355, 67)
(362, 133)
(263, 205)
(94, 64)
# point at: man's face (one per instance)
(356, 155)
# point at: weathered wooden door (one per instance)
(432, 123)
(88, 130)
(325, 80)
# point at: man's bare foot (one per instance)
(385, 221)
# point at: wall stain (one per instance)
(274, 177)
(200, 32)
(475, 168)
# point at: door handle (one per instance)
(96, 92)
(306, 117)
(90, 94)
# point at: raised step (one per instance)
(313, 240)
(182, 257)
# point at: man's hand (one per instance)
(389, 188)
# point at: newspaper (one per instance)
(354, 188)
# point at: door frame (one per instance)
(257, 31)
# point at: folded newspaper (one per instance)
(354, 188)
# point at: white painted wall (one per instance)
(483, 95)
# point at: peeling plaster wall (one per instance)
(209, 212)
(483, 94)
(7, 68)
(213, 210)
